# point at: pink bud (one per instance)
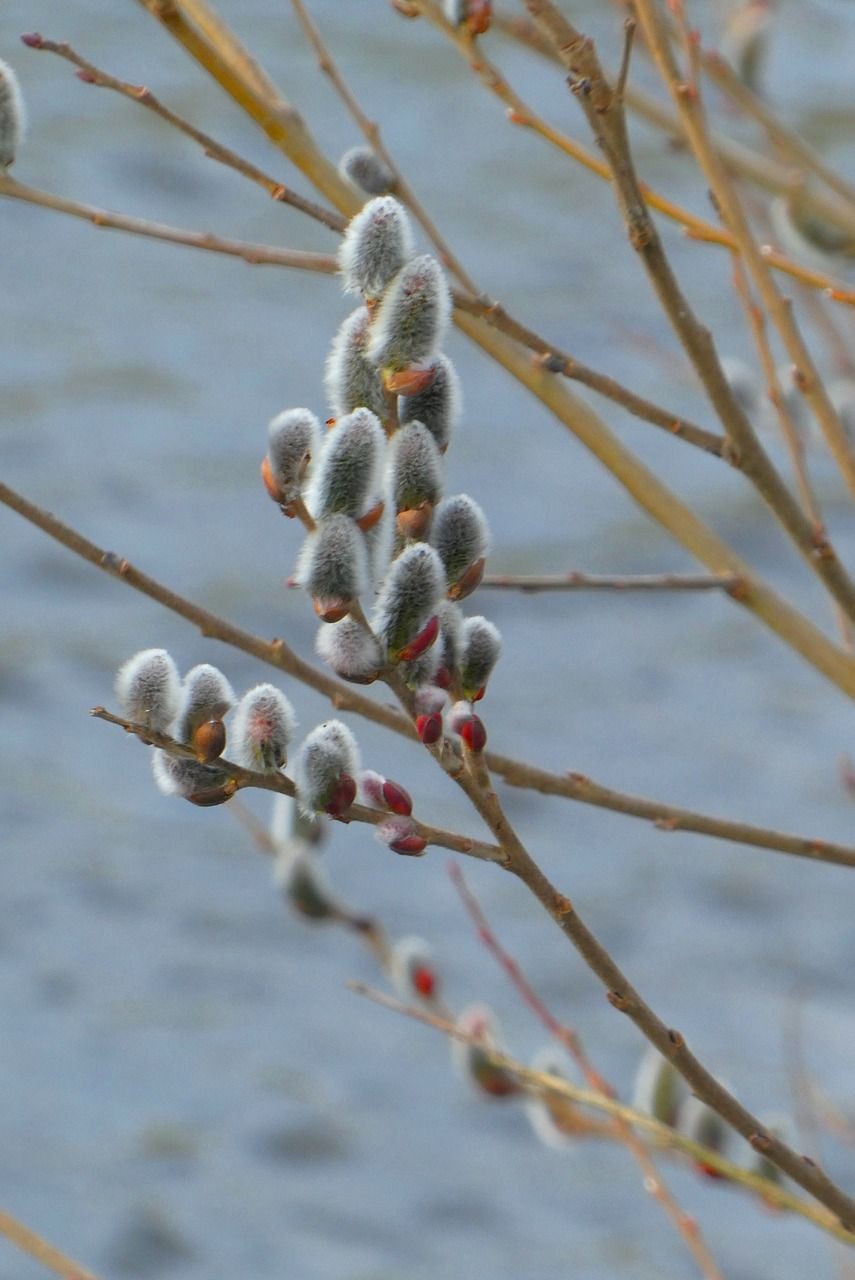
(86, 76)
(32, 40)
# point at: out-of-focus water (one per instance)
(187, 1088)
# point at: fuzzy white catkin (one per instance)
(263, 726)
(207, 695)
(12, 115)
(414, 468)
(482, 645)
(439, 406)
(450, 643)
(347, 647)
(377, 243)
(175, 776)
(351, 381)
(333, 564)
(348, 471)
(411, 320)
(294, 440)
(366, 171)
(460, 534)
(410, 594)
(329, 751)
(148, 689)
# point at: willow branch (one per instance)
(343, 697)
(91, 74)
(278, 783)
(576, 581)
(42, 1250)
(254, 254)
(606, 118)
(686, 1227)
(540, 1082)
(691, 111)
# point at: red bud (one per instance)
(480, 694)
(397, 798)
(468, 581)
(442, 678)
(424, 981)
(429, 728)
(412, 845)
(422, 641)
(343, 796)
(32, 40)
(473, 733)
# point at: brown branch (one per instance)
(686, 1227)
(607, 121)
(277, 654)
(576, 581)
(42, 1250)
(663, 1135)
(254, 254)
(281, 785)
(691, 111)
(213, 149)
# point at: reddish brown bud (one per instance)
(478, 16)
(424, 981)
(429, 728)
(371, 517)
(332, 610)
(409, 382)
(411, 845)
(209, 740)
(397, 798)
(422, 642)
(86, 76)
(343, 796)
(473, 733)
(415, 522)
(32, 39)
(480, 694)
(468, 581)
(210, 796)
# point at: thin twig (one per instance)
(278, 783)
(663, 1135)
(276, 653)
(42, 1250)
(576, 581)
(686, 1227)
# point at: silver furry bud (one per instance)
(438, 406)
(414, 468)
(351, 381)
(12, 116)
(366, 171)
(328, 756)
(482, 645)
(410, 323)
(461, 537)
(333, 566)
(375, 246)
(352, 653)
(409, 596)
(348, 472)
(294, 440)
(207, 695)
(148, 688)
(263, 726)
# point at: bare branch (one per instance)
(576, 581)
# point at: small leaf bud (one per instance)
(412, 970)
(12, 115)
(348, 472)
(149, 689)
(659, 1089)
(333, 567)
(352, 653)
(414, 471)
(474, 734)
(381, 793)
(482, 645)
(207, 695)
(461, 537)
(400, 834)
(429, 727)
(294, 439)
(474, 1061)
(328, 756)
(409, 324)
(438, 406)
(376, 245)
(366, 171)
(202, 784)
(263, 726)
(351, 381)
(397, 798)
(408, 598)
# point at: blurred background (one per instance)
(187, 1087)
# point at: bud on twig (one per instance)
(12, 115)
(415, 479)
(348, 472)
(400, 834)
(450, 643)
(381, 793)
(408, 598)
(149, 689)
(429, 727)
(294, 439)
(412, 970)
(263, 726)
(482, 645)
(202, 784)
(375, 246)
(475, 15)
(351, 381)
(326, 768)
(207, 695)
(473, 1061)
(366, 171)
(352, 653)
(333, 568)
(409, 324)
(461, 536)
(438, 406)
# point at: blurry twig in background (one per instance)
(576, 581)
(42, 1250)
